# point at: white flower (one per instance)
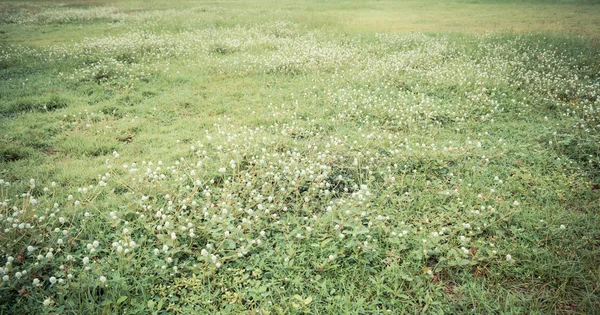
(562, 227)
(516, 203)
(52, 280)
(36, 282)
(102, 279)
(86, 260)
(47, 302)
(508, 257)
(331, 257)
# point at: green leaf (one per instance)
(308, 300)
(121, 300)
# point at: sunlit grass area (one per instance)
(299, 157)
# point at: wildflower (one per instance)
(508, 257)
(562, 227)
(52, 280)
(47, 302)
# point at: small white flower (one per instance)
(86, 260)
(331, 257)
(47, 302)
(508, 257)
(52, 280)
(562, 227)
(102, 279)
(36, 282)
(516, 203)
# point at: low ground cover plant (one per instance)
(185, 163)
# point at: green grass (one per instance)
(299, 157)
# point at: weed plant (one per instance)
(270, 166)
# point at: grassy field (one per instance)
(321, 157)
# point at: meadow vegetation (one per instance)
(299, 157)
